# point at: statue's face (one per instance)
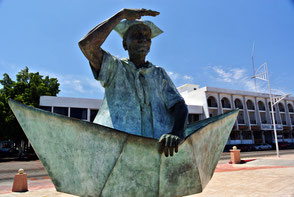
(138, 40)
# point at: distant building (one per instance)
(253, 126)
(254, 123)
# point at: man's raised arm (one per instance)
(91, 43)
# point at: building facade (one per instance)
(253, 126)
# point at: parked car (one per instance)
(262, 147)
(6, 146)
(282, 145)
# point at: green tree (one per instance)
(27, 89)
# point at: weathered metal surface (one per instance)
(88, 159)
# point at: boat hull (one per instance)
(88, 159)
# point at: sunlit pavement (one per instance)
(265, 176)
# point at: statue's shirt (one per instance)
(137, 101)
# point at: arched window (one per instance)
(211, 101)
(238, 104)
(281, 107)
(226, 103)
(250, 105)
(261, 106)
(290, 107)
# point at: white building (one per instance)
(254, 124)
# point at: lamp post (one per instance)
(262, 73)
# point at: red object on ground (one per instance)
(20, 183)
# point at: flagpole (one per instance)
(262, 73)
(252, 59)
(273, 115)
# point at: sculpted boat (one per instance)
(88, 159)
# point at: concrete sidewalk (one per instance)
(266, 176)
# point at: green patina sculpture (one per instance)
(87, 159)
(140, 98)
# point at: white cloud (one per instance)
(238, 73)
(79, 84)
(223, 75)
(188, 78)
(74, 85)
(179, 79)
(238, 77)
(173, 75)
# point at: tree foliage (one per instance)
(27, 89)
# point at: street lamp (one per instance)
(262, 73)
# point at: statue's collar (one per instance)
(133, 67)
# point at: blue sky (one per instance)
(204, 42)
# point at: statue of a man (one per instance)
(140, 98)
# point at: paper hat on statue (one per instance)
(122, 27)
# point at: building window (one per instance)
(283, 117)
(292, 118)
(281, 107)
(290, 107)
(80, 113)
(263, 118)
(226, 103)
(250, 105)
(46, 108)
(241, 118)
(261, 106)
(238, 104)
(61, 110)
(211, 101)
(252, 117)
(93, 114)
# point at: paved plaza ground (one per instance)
(265, 176)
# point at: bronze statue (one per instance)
(140, 98)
